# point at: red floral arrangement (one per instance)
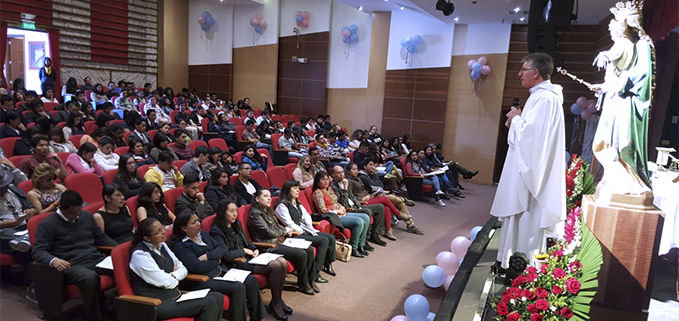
(579, 182)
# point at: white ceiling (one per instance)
(484, 11)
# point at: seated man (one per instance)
(41, 146)
(246, 186)
(14, 212)
(251, 136)
(315, 154)
(67, 240)
(165, 174)
(181, 148)
(139, 133)
(195, 165)
(286, 142)
(330, 151)
(340, 186)
(192, 199)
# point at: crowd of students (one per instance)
(354, 181)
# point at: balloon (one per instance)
(448, 261)
(405, 42)
(431, 316)
(305, 23)
(262, 23)
(575, 109)
(449, 280)
(305, 15)
(485, 70)
(460, 245)
(400, 318)
(582, 102)
(475, 230)
(353, 28)
(417, 307)
(483, 60)
(298, 18)
(201, 20)
(470, 63)
(477, 66)
(433, 276)
(411, 48)
(346, 33)
(206, 14)
(345, 40)
(259, 16)
(475, 75)
(258, 29)
(591, 107)
(254, 22)
(353, 38)
(298, 13)
(205, 27)
(417, 40)
(586, 115)
(210, 22)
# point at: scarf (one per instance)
(48, 70)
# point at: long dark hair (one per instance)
(410, 154)
(285, 193)
(143, 230)
(220, 218)
(256, 205)
(71, 86)
(108, 190)
(256, 156)
(122, 167)
(86, 148)
(145, 201)
(180, 221)
(71, 121)
(317, 179)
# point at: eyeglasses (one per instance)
(524, 70)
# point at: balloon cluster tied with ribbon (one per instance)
(206, 21)
(584, 107)
(412, 45)
(302, 19)
(478, 68)
(349, 36)
(259, 25)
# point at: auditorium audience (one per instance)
(219, 189)
(195, 165)
(46, 192)
(257, 160)
(126, 178)
(181, 148)
(40, 144)
(245, 186)
(165, 173)
(15, 211)
(151, 203)
(192, 200)
(413, 168)
(59, 144)
(12, 127)
(114, 216)
(74, 125)
(160, 142)
(304, 172)
(141, 157)
(105, 157)
(83, 161)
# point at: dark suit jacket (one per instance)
(243, 192)
(7, 132)
(188, 252)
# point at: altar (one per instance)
(666, 198)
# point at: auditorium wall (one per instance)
(437, 36)
(173, 58)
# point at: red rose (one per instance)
(521, 279)
(530, 295)
(531, 269)
(542, 304)
(544, 268)
(502, 308)
(557, 290)
(506, 298)
(575, 266)
(559, 273)
(532, 309)
(573, 285)
(532, 277)
(536, 317)
(566, 313)
(558, 253)
(514, 316)
(570, 183)
(541, 293)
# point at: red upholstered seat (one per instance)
(122, 150)
(195, 143)
(109, 176)
(7, 145)
(218, 142)
(261, 178)
(243, 212)
(171, 197)
(276, 176)
(289, 168)
(26, 186)
(88, 185)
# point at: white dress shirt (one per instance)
(143, 264)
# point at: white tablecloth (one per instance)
(666, 197)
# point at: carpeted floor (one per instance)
(372, 288)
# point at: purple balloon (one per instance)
(201, 20)
(582, 102)
(586, 115)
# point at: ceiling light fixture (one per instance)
(360, 8)
(456, 19)
(522, 18)
(402, 8)
(517, 9)
(445, 6)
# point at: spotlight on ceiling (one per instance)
(445, 6)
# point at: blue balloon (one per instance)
(206, 14)
(353, 38)
(477, 66)
(345, 28)
(575, 109)
(476, 229)
(475, 75)
(411, 48)
(204, 27)
(345, 40)
(258, 30)
(210, 22)
(353, 29)
(417, 40)
(405, 42)
(299, 18)
(416, 307)
(433, 276)
(431, 316)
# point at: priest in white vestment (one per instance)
(531, 195)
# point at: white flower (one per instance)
(553, 308)
(524, 299)
(512, 301)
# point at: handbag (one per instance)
(343, 250)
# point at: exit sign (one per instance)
(28, 25)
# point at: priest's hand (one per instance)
(510, 115)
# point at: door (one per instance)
(15, 60)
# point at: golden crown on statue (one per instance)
(629, 8)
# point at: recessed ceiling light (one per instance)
(402, 8)
(517, 9)
(360, 8)
(456, 19)
(522, 18)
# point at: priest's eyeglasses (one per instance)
(524, 70)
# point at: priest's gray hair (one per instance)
(542, 62)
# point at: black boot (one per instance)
(356, 253)
(328, 269)
(376, 239)
(368, 247)
(470, 174)
(362, 250)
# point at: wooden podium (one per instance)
(629, 241)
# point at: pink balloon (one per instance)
(346, 33)
(460, 245)
(591, 106)
(259, 16)
(298, 13)
(254, 22)
(305, 15)
(449, 280)
(582, 102)
(470, 63)
(201, 20)
(400, 318)
(441, 255)
(586, 115)
(483, 60)
(305, 23)
(449, 263)
(299, 24)
(485, 69)
(262, 24)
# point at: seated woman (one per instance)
(151, 203)
(293, 215)
(126, 178)
(165, 129)
(264, 227)
(139, 153)
(45, 193)
(430, 163)
(219, 189)
(98, 96)
(114, 217)
(413, 168)
(98, 135)
(48, 96)
(88, 112)
(160, 142)
(304, 172)
(213, 162)
(226, 229)
(255, 159)
(105, 157)
(74, 125)
(83, 161)
(326, 201)
(264, 131)
(229, 163)
(155, 272)
(201, 254)
(59, 144)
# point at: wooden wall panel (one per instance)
(255, 74)
(212, 79)
(414, 104)
(302, 87)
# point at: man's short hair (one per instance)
(70, 199)
(201, 150)
(31, 93)
(151, 111)
(117, 127)
(12, 115)
(190, 179)
(287, 130)
(249, 122)
(312, 149)
(542, 62)
(364, 144)
(138, 121)
(179, 132)
(242, 165)
(3, 99)
(367, 160)
(37, 139)
(265, 112)
(165, 157)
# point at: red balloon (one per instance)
(262, 23)
(259, 16)
(305, 15)
(201, 20)
(586, 115)
(582, 102)
(298, 13)
(305, 23)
